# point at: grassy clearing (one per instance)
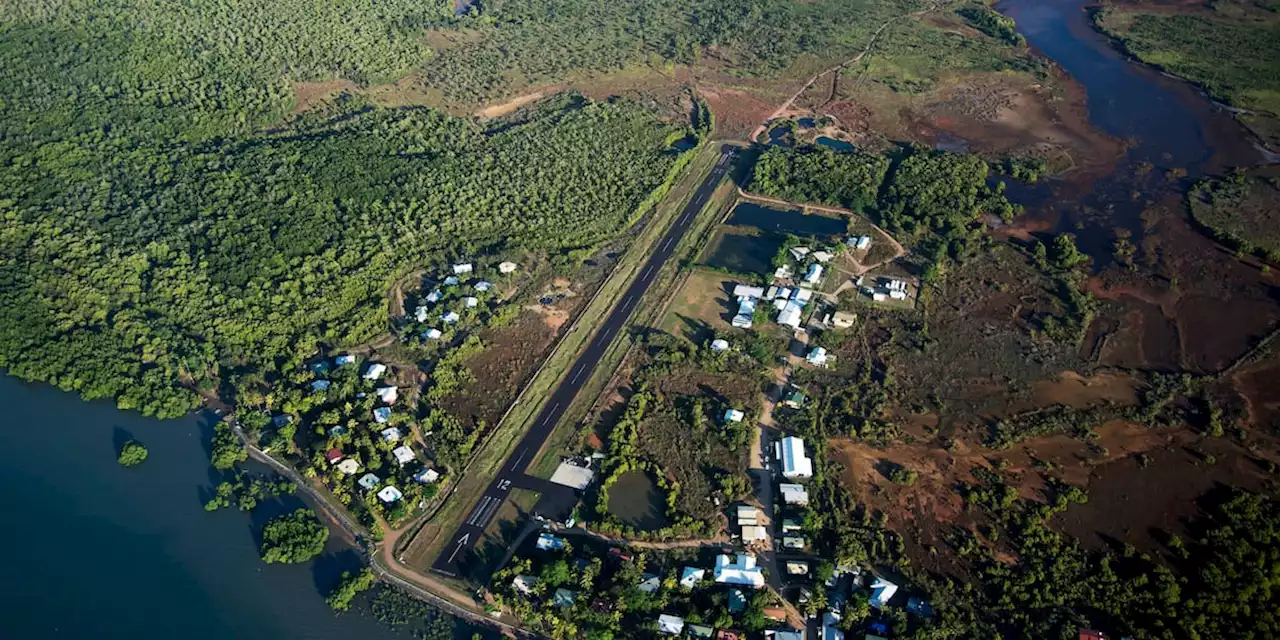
(702, 307)
(1243, 210)
(1234, 54)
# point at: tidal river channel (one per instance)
(98, 551)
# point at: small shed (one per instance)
(388, 395)
(375, 371)
(733, 415)
(754, 533)
(369, 482)
(506, 267)
(344, 360)
(564, 598)
(334, 456)
(463, 267)
(450, 317)
(691, 576)
(471, 301)
(426, 476)
(670, 625)
(432, 334)
(391, 434)
(403, 455)
(719, 345)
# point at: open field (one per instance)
(703, 307)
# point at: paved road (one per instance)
(457, 551)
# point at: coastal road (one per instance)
(512, 473)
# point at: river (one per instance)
(100, 551)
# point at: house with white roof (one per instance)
(753, 533)
(733, 415)
(403, 455)
(791, 314)
(795, 464)
(434, 296)
(741, 290)
(389, 494)
(817, 357)
(649, 583)
(432, 334)
(794, 494)
(349, 467)
(421, 313)
(462, 267)
(450, 317)
(451, 281)
(783, 272)
(748, 515)
(524, 584)
(391, 434)
(426, 476)
(691, 577)
(719, 345)
(670, 625)
(799, 252)
(369, 482)
(802, 295)
(881, 592)
(343, 360)
(381, 414)
(471, 301)
(814, 274)
(388, 395)
(548, 542)
(823, 256)
(375, 371)
(506, 267)
(483, 285)
(746, 312)
(740, 570)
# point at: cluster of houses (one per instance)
(422, 313)
(387, 395)
(884, 288)
(789, 302)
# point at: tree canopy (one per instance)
(293, 538)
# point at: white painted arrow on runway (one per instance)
(461, 541)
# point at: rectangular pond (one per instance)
(765, 218)
(742, 253)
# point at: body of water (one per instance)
(636, 500)
(750, 214)
(835, 145)
(100, 551)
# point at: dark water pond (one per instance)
(100, 551)
(744, 254)
(636, 500)
(836, 145)
(750, 214)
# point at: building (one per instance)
(320, 385)
(572, 475)
(432, 334)
(564, 598)
(817, 357)
(388, 395)
(797, 568)
(785, 293)
(333, 456)
(746, 312)
(881, 592)
(483, 286)
(739, 570)
(389, 494)
(691, 576)
(506, 267)
(741, 290)
(829, 630)
(349, 467)
(784, 272)
(795, 464)
(434, 296)
(375, 371)
(369, 482)
(471, 301)
(791, 525)
(771, 292)
(649, 583)
(823, 256)
(422, 313)
(783, 634)
(898, 295)
(802, 295)
(403, 455)
(719, 346)
(670, 625)
(548, 542)
(790, 314)
(799, 253)
(733, 415)
(776, 614)
(1090, 634)
(463, 267)
(794, 494)
(426, 476)
(524, 584)
(381, 415)
(753, 533)
(344, 360)
(794, 400)
(391, 434)
(748, 515)
(450, 317)
(699, 630)
(843, 319)
(793, 542)
(319, 368)
(814, 274)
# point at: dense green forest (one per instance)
(157, 234)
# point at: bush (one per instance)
(293, 538)
(132, 454)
